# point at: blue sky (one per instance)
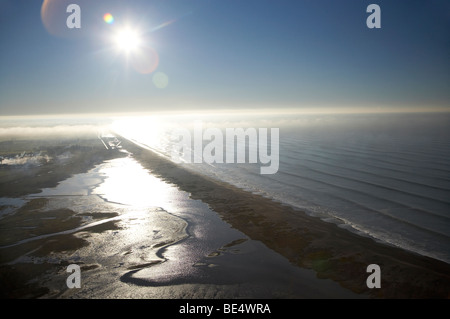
(226, 54)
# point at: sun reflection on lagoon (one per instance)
(149, 221)
(127, 182)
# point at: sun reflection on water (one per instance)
(127, 182)
(149, 132)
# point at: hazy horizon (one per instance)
(198, 55)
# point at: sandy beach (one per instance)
(140, 226)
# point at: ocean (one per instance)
(384, 175)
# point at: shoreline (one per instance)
(307, 241)
(293, 247)
(167, 247)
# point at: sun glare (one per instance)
(127, 40)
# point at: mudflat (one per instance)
(151, 252)
(307, 241)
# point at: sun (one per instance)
(127, 40)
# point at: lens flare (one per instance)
(145, 60)
(160, 80)
(54, 17)
(108, 18)
(162, 25)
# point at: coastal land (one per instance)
(47, 233)
(306, 241)
(42, 163)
